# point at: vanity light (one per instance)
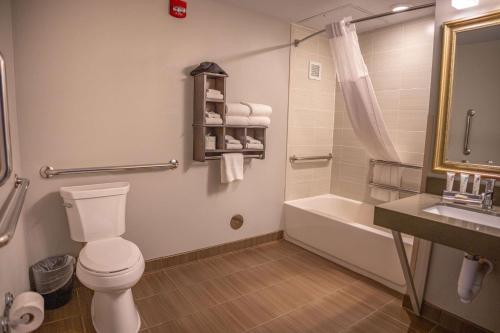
(462, 4)
(399, 7)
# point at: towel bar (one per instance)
(371, 183)
(260, 157)
(295, 158)
(49, 172)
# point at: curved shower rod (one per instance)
(367, 18)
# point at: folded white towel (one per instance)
(213, 121)
(252, 140)
(211, 114)
(215, 91)
(237, 109)
(255, 146)
(259, 121)
(259, 110)
(209, 145)
(237, 120)
(234, 146)
(215, 95)
(231, 139)
(231, 167)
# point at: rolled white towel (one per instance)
(237, 120)
(259, 110)
(234, 146)
(259, 121)
(255, 146)
(237, 109)
(213, 121)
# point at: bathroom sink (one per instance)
(482, 217)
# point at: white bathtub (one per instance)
(342, 230)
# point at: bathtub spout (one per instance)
(474, 269)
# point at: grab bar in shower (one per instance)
(259, 156)
(11, 209)
(468, 123)
(294, 158)
(49, 172)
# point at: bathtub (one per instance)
(342, 231)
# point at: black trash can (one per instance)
(53, 278)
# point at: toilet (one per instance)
(107, 264)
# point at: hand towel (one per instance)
(215, 96)
(214, 91)
(211, 114)
(259, 110)
(209, 145)
(236, 146)
(231, 168)
(255, 146)
(237, 109)
(259, 121)
(213, 121)
(230, 139)
(237, 120)
(386, 175)
(252, 140)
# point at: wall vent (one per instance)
(314, 70)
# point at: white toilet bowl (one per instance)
(107, 264)
(111, 267)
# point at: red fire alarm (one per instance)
(178, 8)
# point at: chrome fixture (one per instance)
(488, 194)
(483, 200)
(294, 158)
(409, 9)
(11, 209)
(468, 123)
(5, 322)
(259, 156)
(49, 172)
(371, 183)
(6, 149)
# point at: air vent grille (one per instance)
(314, 70)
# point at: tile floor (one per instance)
(274, 287)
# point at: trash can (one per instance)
(52, 277)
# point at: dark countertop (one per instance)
(407, 216)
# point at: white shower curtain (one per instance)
(362, 105)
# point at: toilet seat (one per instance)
(109, 256)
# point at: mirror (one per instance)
(5, 152)
(468, 127)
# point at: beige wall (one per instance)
(445, 262)
(13, 259)
(107, 83)
(310, 118)
(399, 60)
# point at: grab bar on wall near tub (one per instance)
(294, 158)
(49, 172)
(371, 183)
(468, 123)
(11, 209)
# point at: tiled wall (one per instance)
(399, 60)
(310, 116)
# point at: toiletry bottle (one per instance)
(450, 179)
(464, 180)
(476, 184)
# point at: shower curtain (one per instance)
(362, 105)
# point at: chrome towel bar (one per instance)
(392, 188)
(260, 157)
(11, 209)
(294, 158)
(49, 172)
(403, 165)
(371, 183)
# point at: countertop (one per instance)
(407, 216)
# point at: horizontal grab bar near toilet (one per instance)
(11, 209)
(399, 164)
(49, 172)
(294, 158)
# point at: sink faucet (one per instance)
(487, 196)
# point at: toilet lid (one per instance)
(109, 255)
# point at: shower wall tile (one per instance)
(399, 59)
(310, 117)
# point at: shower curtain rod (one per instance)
(409, 9)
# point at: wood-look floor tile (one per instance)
(153, 283)
(223, 266)
(69, 325)
(248, 258)
(85, 300)
(288, 268)
(245, 281)
(280, 325)
(379, 323)
(169, 327)
(439, 329)
(310, 260)
(370, 292)
(327, 280)
(71, 309)
(187, 274)
(164, 307)
(247, 310)
(221, 290)
(278, 249)
(395, 310)
(310, 319)
(267, 273)
(222, 320)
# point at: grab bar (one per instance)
(468, 123)
(294, 158)
(49, 172)
(260, 157)
(11, 209)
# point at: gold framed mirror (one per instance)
(468, 122)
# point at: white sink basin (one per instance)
(469, 215)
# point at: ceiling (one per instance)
(317, 13)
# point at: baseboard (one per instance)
(182, 258)
(445, 319)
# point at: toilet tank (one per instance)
(95, 211)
